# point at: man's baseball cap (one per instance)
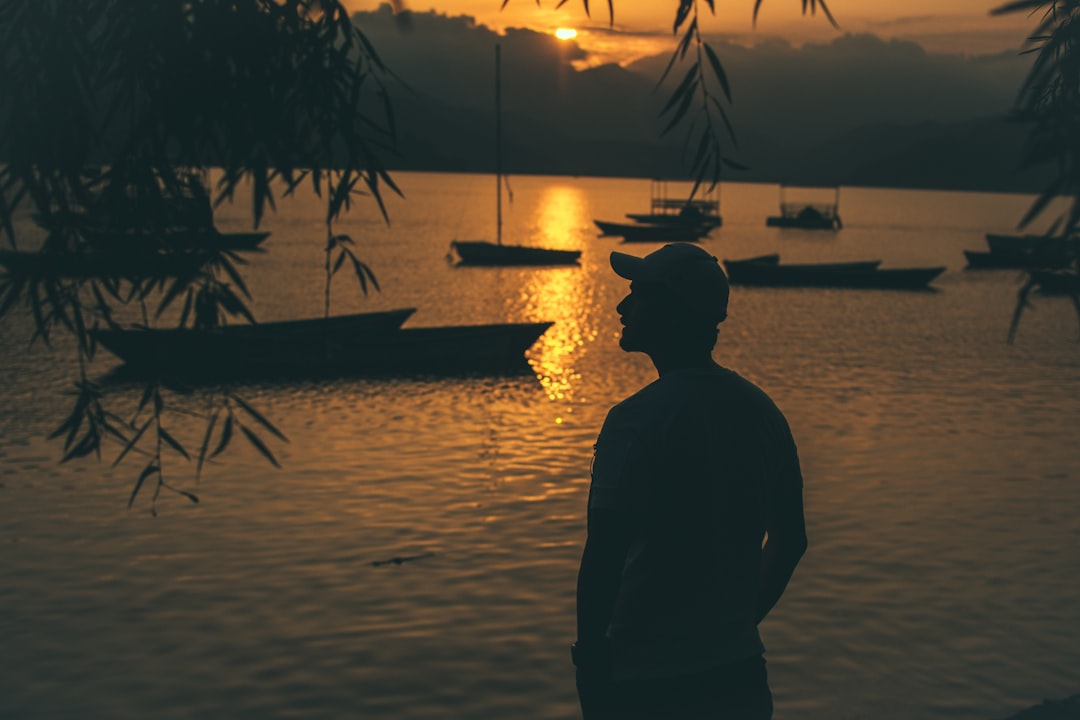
(690, 273)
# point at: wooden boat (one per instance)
(103, 265)
(1016, 259)
(1049, 282)
(864, 275)
(477, 252)
(642, 232)
(210, 239)
(482, 252)
(806, 215)
(318, 348)
(998, 242)
(774, 260)
(664, 210)
(290, 342)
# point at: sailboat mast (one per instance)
(498, 147)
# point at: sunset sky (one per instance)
(644, 26)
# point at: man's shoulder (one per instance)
(718, 387)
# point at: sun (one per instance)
(566, 33)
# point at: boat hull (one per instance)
(1049, 282)
(781, 221)
(104, 265)
(1016, 259)
(209, 240)
(451, 350)
(652, 233)
(773, 260)
(861, 275)
(477, 252)
(709, 221)
(998, 242)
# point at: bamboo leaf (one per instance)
(186, 312)
(338, 263)
(148, 393)
(1014, 6)
(74, 419)
(235, 276)
(190, 496)
(718, 71)
(226, 436)
(671, 63)
(726, 120)
(259, 445)
(205, 444)
(1042, 201)
(89, 443)
(691, 34)
(1021, 303)
(179, 285)
(173, 442)
(685, 6)
(149, 470)
(132, 442)
(679, 113)
(257, 416)
(363, 274)
(14, 289)
(686, 87)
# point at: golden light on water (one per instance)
(560, 216)
(566, 33)
(560, 294)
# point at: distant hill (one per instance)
(977, 154)
(856, 111)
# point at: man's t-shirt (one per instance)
(692, 461)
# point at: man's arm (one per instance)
(785, 544)
(599, 577)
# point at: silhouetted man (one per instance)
(695, 518)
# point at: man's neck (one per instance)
(669, 362)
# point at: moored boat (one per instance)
(478, 252)
(208, 239)
(92, 265)
(323, 348)
(862, 275)
(485, 253)
(1052, 282)
(773, 259)
(806, 215)
(664, 210)
(1016, 259)
(1000, 242)
(642, 232)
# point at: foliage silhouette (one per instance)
(696, 105)
(1049, 103)
(112, 158)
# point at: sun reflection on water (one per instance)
(560, 294)
(561, 214)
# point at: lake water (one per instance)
(942, 484)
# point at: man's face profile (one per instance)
(646, 315)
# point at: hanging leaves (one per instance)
(1049, 103)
